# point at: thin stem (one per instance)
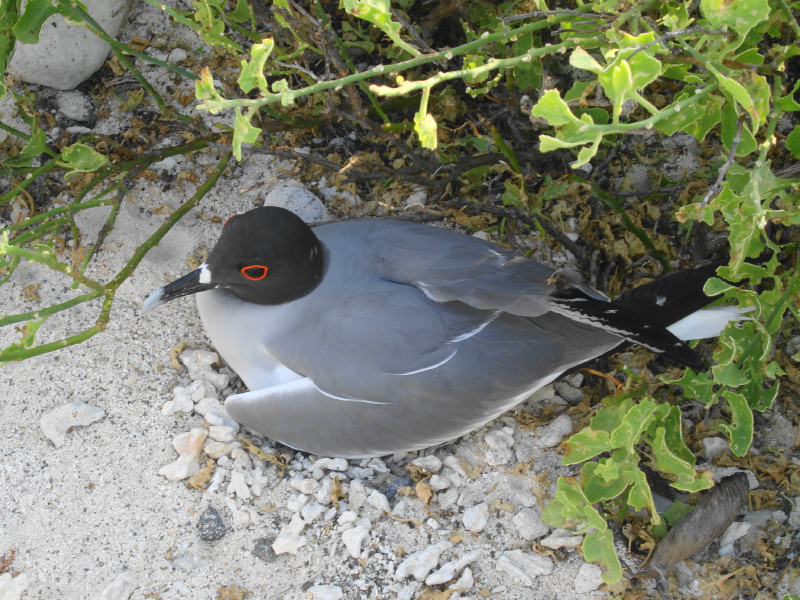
(380, 70)
(50, 310)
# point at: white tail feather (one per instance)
(708, 322)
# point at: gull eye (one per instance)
(254, 272)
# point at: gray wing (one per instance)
(449, 266)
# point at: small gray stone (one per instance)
(301, 202)
(177, 55)
(551, 434)
(263, 550)
(529, 524)
(67, 54)
(588, 579)
(430, 463)
(476, 517)
(713, 446)
(75, 105)
(567, 392)
(211, 526)
(561, 538)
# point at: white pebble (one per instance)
(529, 524)
(421, 563)
(181, 402)
(57, 422)
(449, 571)
(448, 499)
(476, 517)
(207, 404)
(561, 538)
(324, 592)
(523, 566)
(588, 579)
(201, 389)
(297, 502)
(433, 524)
(439, 483)
(289, 539)
(312, 512)
(305, 486)
(220, 416)
(379, 501)
(119, 589)
(377, 465)
(500, 443)
(455, 464)
(259, 481)
(465, 582)
(430, 463)
(216, 479)
(12, 588)
(551, 434)
(324, 493)
(238, 486)
(354, 538)
(216, 449)
(357, 495)
(187, 463)
(198, 363)
(734, 531)
(241, 458)
(221, 433)
(346, 517)
(331, 464)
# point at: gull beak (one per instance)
(196, 281)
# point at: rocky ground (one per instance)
(123, 477)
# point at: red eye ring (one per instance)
(254, 272)
(225, 224)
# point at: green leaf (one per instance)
(584, 445)
(793, 142)
(754, 98)
(252, 74)
(570, 506)
(599, 547)
(788, 102)
(242, 12)
(207, 93)
(629, 432)
(687, 479)
(740, 428)
(31, 20)
(35, 147)
(598, 485)
(243, 132)
(739, 15)
(639, 494)
(378, 13)
(79, 158)
(425, 127)
(698, 386)
(609, 418)
(673, 434)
